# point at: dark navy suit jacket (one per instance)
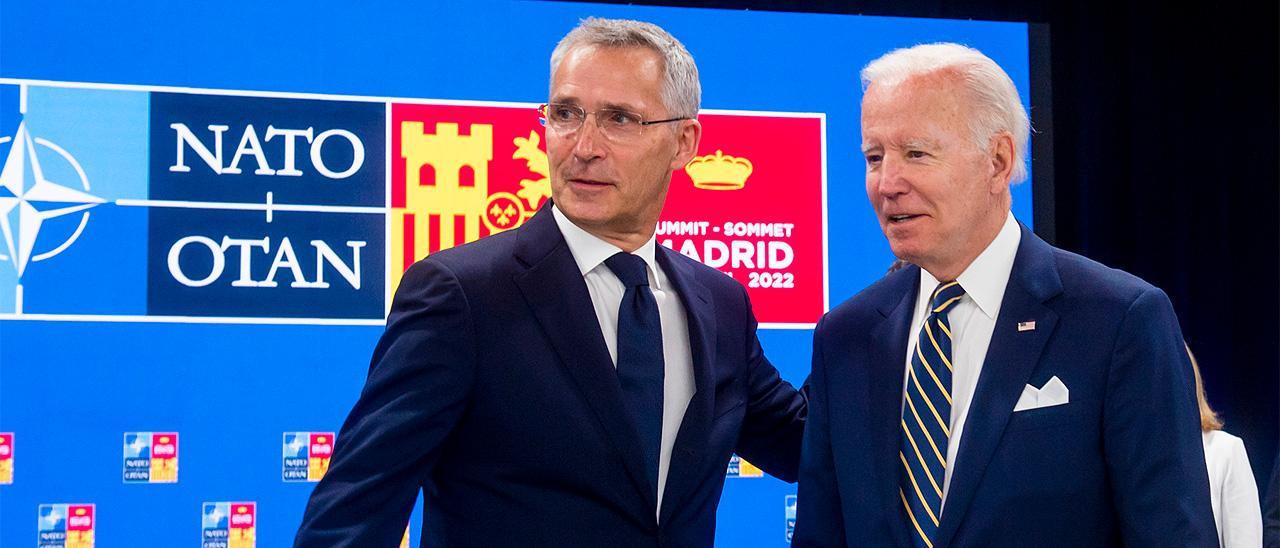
(493, 392)
(1121, 463)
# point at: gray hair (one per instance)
(681, 92)
(994, 97)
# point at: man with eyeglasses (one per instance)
(568, 382)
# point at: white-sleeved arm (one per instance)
(1241, 513)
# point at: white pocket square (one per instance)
(1051, 394)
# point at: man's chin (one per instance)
(905, 251)
(585, 214)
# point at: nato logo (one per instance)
(66, 525)
(306, 456)
(215, 532)
(150, 457)
(137, 457)
(740, 468)
(190, 205)
(228, 525)
(791, 517)
(52, 524)
(52, 196)
(273, 207)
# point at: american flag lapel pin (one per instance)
(1026, 326)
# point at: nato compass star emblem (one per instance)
(28, 199)
(52, 518)
(137, 446)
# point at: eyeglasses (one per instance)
(614, 124)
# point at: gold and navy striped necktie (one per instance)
(926, 419)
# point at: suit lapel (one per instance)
(695, 429)
(557, 295)
(886, 372)
(1010, 360)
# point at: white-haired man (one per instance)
(569, 382)
(999, 391)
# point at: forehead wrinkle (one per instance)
(918, 142)
(566, 100)
(620, 106)
(902, 143)
(607, 105)
(901, 103)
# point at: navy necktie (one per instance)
(926, 419)
(640, 363)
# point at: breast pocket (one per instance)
(1066, 416)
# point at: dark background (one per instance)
(1165, 139)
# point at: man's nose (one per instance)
(588, 145)
(892, 179)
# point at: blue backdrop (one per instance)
(70, 388)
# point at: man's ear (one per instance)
(1001, 158)
(687, 138)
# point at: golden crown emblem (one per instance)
(719, 172)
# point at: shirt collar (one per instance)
(590, 251)
(985, 279)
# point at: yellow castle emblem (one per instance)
(460, 191)
(718, 171)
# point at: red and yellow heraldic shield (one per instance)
(459, 173)
(80, 526)
(243, 525)
(319, 451)
(164, 457)
(6, 458)
(749, 205)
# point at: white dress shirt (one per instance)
(1232, 491)
(606, 291)
(972, 320)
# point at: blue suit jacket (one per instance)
(1122, 463)
(492, 391)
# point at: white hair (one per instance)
(681, 92)
(995, 99)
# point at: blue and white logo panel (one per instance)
(126, 204)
